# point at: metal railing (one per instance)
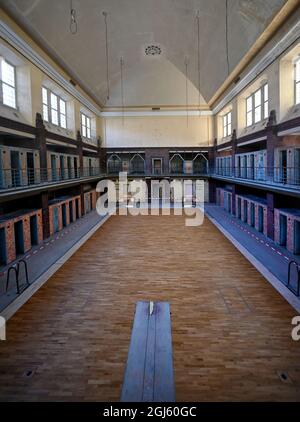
(296, 290)
(273, 175)
(20, 178)
(16, 269)
(204, 172)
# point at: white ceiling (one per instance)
(134, 24)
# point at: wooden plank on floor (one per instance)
(164, 389)
(149, 370)
(134, 374)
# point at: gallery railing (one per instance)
(269, 175)
(21, 178)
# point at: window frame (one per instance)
(59, 99)
(10, 86)
(263, 105)
(227, 124)
(84, 127)
(296, 82)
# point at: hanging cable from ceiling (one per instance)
(106, 53)
(186, 90)
(226, 36)
(73, 19)
(198, 58)
(122, 87)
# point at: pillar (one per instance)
(233, 152)
(80, 153)
(270, 215)
(41, 146)
(45, 215)
(272, 139)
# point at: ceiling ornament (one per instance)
(153, 50)
(106, 54)
(73, 19)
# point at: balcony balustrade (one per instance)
(26, 178)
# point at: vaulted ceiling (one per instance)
(135, 24)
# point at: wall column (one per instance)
(42, 146)
(80, 153)
(270, 215)
(233, 152)
(45, 215)
(272, 139)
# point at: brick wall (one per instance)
(8, 226)
(291, 218)
(59, 206)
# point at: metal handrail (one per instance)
(278, 175)
(12, 178)
(297, 291)
(16, 269)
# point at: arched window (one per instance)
(114, 164)
(176, 164)
(200, 165)
(137, 164)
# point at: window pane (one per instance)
(53, 101)
(229, 129)
(54, 116)
(88, 122)
(45, 96)
(62, 106)
(83, 119)
(257, 98)
(229, 117)
(88, 132)
(249, 104)
(249, 118)
(84, 131)
(266, 110)
(63, 122)
(9, 96)
(298, 93)
(266, 92)
(257, 114)
(8, 74)
(45, 113)
(297, 71)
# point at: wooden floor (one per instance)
(231, 329)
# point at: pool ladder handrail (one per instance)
(297, 291)
(16, 269)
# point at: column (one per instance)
(270, 215)
(45, 215)
(41, 146)
(272, 139)
(80, 153)
(233, 152)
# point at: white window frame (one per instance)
(297, 81)
(47, 105)
(86, 122)
(14, 87)
(257, 111)
(227, 124)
